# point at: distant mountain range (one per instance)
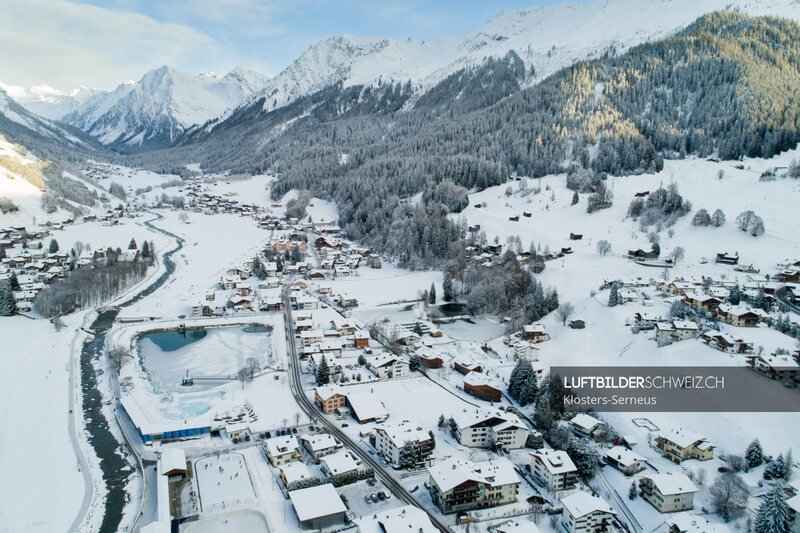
(155, 111)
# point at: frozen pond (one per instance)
(168, 356)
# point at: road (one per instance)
(780, 294)
(296, 386)
(620, 502)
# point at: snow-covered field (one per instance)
(223, 482)
(213, 244)
(42, 487)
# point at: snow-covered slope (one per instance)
(152, 112)
(19, 125)
(547, 38)
(47, 102)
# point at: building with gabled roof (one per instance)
(584, 513)
(458, 485)
(484, 428)
(668, 492)
(678, 445)
(407, 443)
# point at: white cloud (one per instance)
(66, 44)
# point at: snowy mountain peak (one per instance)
(154, 111)
(546, 38)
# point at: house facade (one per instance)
(458, 485)
(668, 493)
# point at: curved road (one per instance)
(310, 409)
(780, 294)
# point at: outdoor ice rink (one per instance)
(223, 482)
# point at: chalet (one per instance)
(282, 450)
(345, 328)
(271, 304)
(701, 302)
(679, 445)
(584, 513)
(404, 444)
(727, 259)
(339, 463)
(738, 315)
(465, 367)
(310, 337)
(320, 445)
(525, 351)
(534, 333)
(575, 236)
(361, 339)
(679, 287)
(647, 319)
(242, 303)
(553, 469)
(668, 493)
(458, 485)
(584, 425)
(727, 343)
(781, 367)
(345, 301)
(307, 302)
(388, 366)
(484, 428)
(429, 359)
(625, 460)
(296, 473)
(328, 398)
(627, 296)
(481, 387)
(684, 329)
(642, 254)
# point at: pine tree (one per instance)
(447, 287)
(323, 373)
(2, 252)
(8, 304)
(146, 250)
(442, 422)
(633, 493)
(432, 294)
(788, 464)
(575, 198)
(772, 515)
(753, 455)
(413, 363)
(13, 282)
(776, 469)
(132, 245)
(53, 248)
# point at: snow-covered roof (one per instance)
(295, 471)
(320, 441)
(454, 471)
(173, 459)
(277, 446)
(477, 379)
(340, 462)
(405, 431)
(735, 310)
(316, 502)
(406, 519)
(623, 455)
(691, 523)
(669, 483)
(385, 360)
(582, 503)
(470, 417)
(533, 328)
(794, 503)
(684, 324)
(585, 421)
(366, 405)
(328, 391)
(556, 461)
(681, 437)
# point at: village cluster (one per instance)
(304, 402)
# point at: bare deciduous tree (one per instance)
(564, 311)
(117, 356)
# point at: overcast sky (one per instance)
(101, 43)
